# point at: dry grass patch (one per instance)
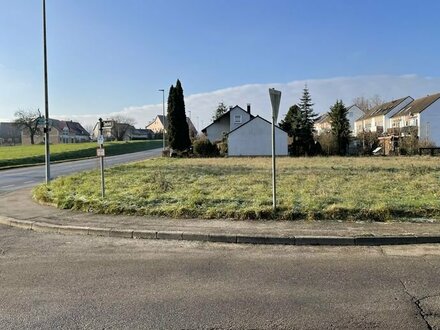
(240, 188)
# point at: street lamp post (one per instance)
(163, 114)
(46, 100)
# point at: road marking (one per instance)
(32, 181)
(9, 186)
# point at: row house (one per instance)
(422, 115)
(60, 131)
(378, 119)
(322, 123)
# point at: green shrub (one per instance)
(202, 147)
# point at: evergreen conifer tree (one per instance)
(307, 122)
(178, 130)
(220, 111)
(340, 126)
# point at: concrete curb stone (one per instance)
(222, 238)
(246, 239)
(169, 235)
(324, 240)
(45, 227)
(366, 240)
(144, 234)
(195, 237)
(73, 230)
(385, 240)
(121, 233)
(93, 231)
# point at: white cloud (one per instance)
(324, 93)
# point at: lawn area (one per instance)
(380, 189)
(34, 154)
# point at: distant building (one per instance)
(378, 119)
(246, 135)
(160, 123)
(423, 115)
(60, 132)
(323, 124)
(113, 130)
(10, 134)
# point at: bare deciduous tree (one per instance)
(366, 104)
(122, 125)
(27, 119)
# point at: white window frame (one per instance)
(238, 119)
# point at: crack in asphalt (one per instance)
(416, 302)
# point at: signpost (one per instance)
(275, 98)
(100, 152)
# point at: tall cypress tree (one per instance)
(178, 130)
(340, 126)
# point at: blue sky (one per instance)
(112, 56)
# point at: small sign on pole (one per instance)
(100, 139)
(275, 98)
(100, 152)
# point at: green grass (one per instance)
(34, 154)
(308, 188)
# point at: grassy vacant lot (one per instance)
(308, 188)
(34, 154)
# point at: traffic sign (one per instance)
(100, 152)
(100, 139)
(107, 123)
(275, 98)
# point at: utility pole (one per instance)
(46, 100)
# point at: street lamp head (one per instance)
(161, 90)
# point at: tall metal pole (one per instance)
(163, 114)
(46, 100)
(275, 98)
(274, 183)
(101, 161)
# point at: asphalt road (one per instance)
(15, 179)
(54, 281)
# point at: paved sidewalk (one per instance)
(19, 210)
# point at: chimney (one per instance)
(249, 108)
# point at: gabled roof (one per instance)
(418, 105)
(324, 118)
(254, 117)
(9, 130)
(164, 121)
(76, 128)
(354, 105)
(227, 113)
(72, 126)
(383, 109)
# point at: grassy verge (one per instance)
(31, 155)
(308, 188)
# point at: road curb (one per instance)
(371, 240)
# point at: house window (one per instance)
(237, 119)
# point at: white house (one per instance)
(378, 118)
(254, 138)
(322, 123)
(422, 114)
(229, 121)
(353, 114)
